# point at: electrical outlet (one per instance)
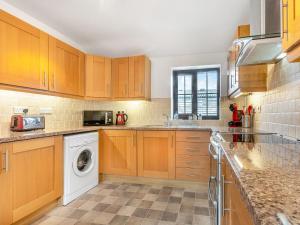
(19, 109)
(258, 108)
(46, 110)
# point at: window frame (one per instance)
(194, 72)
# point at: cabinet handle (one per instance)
(192, 149)
(53, 77)
(44, 80)
(172, 141)
(5, 162)
(285, 30)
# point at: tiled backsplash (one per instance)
(67, 113)
(280, 105)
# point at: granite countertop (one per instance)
(8, 136)
(269, 179)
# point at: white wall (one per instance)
(162, 70)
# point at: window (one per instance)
(197, 91)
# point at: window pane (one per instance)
(201, 82)
(212, 81)
(180, 84)
(188, 103)
(188, 84)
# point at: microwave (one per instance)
(97, 118)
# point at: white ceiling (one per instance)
(154, 27)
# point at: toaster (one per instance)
(27, 122)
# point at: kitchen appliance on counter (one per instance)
(217, 182)
(97, 118)
(27, 122)
(236, 116)
(121, 118)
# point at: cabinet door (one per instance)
(118, 152)
(98, 77)
(66, 68)
(156, 154)
(120, 74)
(23, 55)
(139, 77)
(36, 174)
(6, 185)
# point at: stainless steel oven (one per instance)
(216, 181)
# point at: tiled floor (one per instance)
(117, 203)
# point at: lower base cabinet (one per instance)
(33, 177)
(118, 152)
(156, 154)
(236, 212)
(6, 216)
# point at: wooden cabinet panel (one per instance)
(6, 185)
(66, 68)
(139, 77)
(192, 148)
(36, 174)
(237, 212)
(23, 55)
(193, 136)
(291, 29)
(98, 77)
(156, 154)
(192, 161)
(192, 174)
(118, 152)
(120, 75)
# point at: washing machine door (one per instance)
(83, 162)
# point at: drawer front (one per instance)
(193, 136)
(192, 174)
(192, 161)
(191, 148)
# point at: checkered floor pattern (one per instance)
(119, 203)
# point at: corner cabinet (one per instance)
(118, 152)
(66, 68)
(131, 78)
(98, 77)
(291, 29)
(156, 154)
(23, 54)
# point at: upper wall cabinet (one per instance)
(131, 78)
(66, 68)
(291, 29)
(97, 77)
(23, 54)
(244, 79)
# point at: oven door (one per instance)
(212, 186)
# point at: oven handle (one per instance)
(215, 156)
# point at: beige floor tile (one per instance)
(159, 206)
(88, 205)
(103, 218)
(126, 210)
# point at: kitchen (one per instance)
(177, 122)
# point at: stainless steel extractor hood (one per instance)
(264, 44)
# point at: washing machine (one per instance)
(80, 165)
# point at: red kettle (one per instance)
(121, 118)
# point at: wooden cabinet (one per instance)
(36, 167)
(244, 79)
(131, 78)
(120, 75)
(192, 160)
(291, 29)
(139, 77)
(23, 55)
(236, 211)
(66, 68)
(97, 77)
(6, 216)
(118, 152)
(156, 154)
